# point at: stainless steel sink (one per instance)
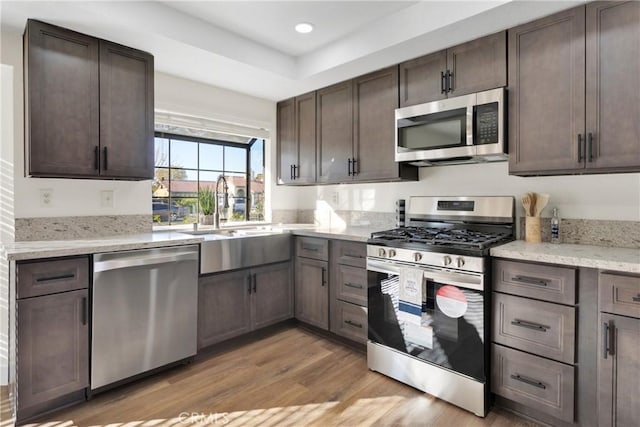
(233, 251)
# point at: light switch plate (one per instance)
(106, 199)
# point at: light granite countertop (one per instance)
(604, 258)
(58, 248)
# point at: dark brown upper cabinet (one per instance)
(474, 66)
(573, 90)
(297, 140)
(334, 121)
(88, 104)
(375, 99)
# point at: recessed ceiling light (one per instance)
(304, 27)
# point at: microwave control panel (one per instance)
(486, 126)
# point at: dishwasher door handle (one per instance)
(116, 263)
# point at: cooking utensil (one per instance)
(541, 203)
(526, 203)
(534, 200)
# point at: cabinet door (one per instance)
(53, 347)
(619, 381)
(420, 79)
(375, 99)
(61, 101)
(546, 94)
(312, 292)
(272, 294)
(613, 85)
(305, 133)
(126, 112)
(287, 142)
(335, 132)
(223, 307)
(478, 65)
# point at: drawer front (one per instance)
(52, 276)
(619, 294)
(537, 327)
(548, 283)
(351, 284)
(349, 321)
(349, 253)
(312, 247)
(538, 383)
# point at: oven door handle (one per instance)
(446, 277)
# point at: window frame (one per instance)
(219, 142)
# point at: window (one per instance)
(184, 165)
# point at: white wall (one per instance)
(78, 197)
(612, 196)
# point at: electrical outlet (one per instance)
(335, 198)
(106, 198)
(46, 197)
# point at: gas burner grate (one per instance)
(442, 236)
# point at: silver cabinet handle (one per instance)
(529, 325)
(529, 381)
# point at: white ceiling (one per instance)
(251, 47)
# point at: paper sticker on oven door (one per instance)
(451, 301)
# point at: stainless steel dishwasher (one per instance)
(144, 311)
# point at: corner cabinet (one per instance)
(88, 104)
(297, 140)
(474, 66)
(619, 363)
(573, 88)
(234, 303)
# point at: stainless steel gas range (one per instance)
(428, 296)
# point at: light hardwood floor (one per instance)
(289, 378)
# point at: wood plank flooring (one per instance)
(289, 378)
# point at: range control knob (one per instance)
(460, 262)
(382, 253)
(392, 253)
(417, 256)
(446, 260)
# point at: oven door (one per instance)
(446, 329)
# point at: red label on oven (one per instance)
(451, 301)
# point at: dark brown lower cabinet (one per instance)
(619, 371)
(53, 348)
(312, 291)
(234, 303)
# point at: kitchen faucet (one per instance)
(225, 189)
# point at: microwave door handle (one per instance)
(470, 116)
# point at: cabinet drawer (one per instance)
(52, 276)
(350, 321)
(349, 253)
(534, 326)
(548, 283)
(619, 294)
(351, 284)
(312, 247)
(538, 383)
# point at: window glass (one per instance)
(184, 154)
(211, 157)
(186, 166)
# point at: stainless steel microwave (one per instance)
(464, 129)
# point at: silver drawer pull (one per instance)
(58, 277)
(353, 285)
(530, 325)
(529, 381)
(351, 323)
(530, 280)
(636, 299)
